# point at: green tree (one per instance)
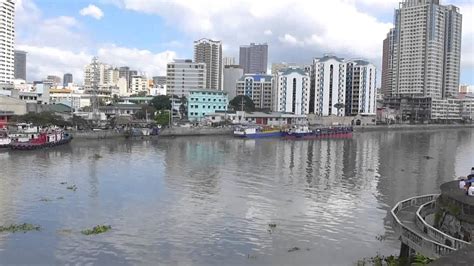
(242, 102)
(161, 102)
(41, 119)
(183, 108)
(146, 109)
(163, 117)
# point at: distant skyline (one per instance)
(62, 36)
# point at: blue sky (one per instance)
(146, 34)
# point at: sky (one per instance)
(62, 36)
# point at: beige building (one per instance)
(259, 88)
(184, 76)
(209, 52)
(9, 104)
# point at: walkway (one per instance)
(409, 223)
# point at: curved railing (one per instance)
(414, 239)
(428, 229)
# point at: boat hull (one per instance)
(259, 135)
(35, 146)
(306, 136)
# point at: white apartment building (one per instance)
(328, 77)
(422, 57)
(183, 76)
(209, 52)
(139, 84)
(292, 93)
(7, 41)
(361, 92)
(259, 88)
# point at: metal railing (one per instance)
(428, 229)
(413, 239)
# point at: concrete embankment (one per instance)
(101, 134)
(183, 131)
(410, 127)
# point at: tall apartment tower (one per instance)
(424, 51)
(20, 64)
(328, 82)
(361, 94)
(7, 41)
(292, 94)
(210, 52)
(253, 58)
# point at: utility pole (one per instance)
(95, 79)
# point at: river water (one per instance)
(210, 200)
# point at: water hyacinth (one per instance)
(13, 228)
(98, 229)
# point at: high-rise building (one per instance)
(328, 82)
(253, 58)
(52, 80)
(361, 90)
(210, 52)
(425, 50)
(184, 76)
(7, 41)
(228, 61)
(139, 84)
(67, 79)
(387, 59)
(20, 64)
(232, 73)
(257, 87)
(292, 91)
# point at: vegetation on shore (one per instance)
(379, 260)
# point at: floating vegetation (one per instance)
(381, 237)
(428, 157)
(13, 228)
(73, 187)
(370, 170)
(272, 225)
(403, 170)
(98, 229)
(60, 198)
(293, 249)
(63, 183)
(64, 231)
(251, 256)
(45, 199)
(96, 156)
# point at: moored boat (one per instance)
(258, 132)
(303, 132)
(5, 140)
(45, 139)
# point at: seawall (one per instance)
(183, 131)
(368, 128)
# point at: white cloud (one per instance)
(93, 11)
(268, 32)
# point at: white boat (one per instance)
(5, 140)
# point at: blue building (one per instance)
(204, 102)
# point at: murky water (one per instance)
(209, 200)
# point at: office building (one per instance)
(184, 76)
(20, 65)
(425, 51)
(209, 52)
(67, 79)
(253, 58)
(292, 93)
(387, 60)
(232, 73)
(139, 85)
(257, 87)
(203, 102)
(7, 42)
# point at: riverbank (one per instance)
(208, 131)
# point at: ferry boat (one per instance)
(303, 132)
(258, 132)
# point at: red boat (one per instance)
(42, 140)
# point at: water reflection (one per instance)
(209, 200)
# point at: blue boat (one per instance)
(258, 132)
